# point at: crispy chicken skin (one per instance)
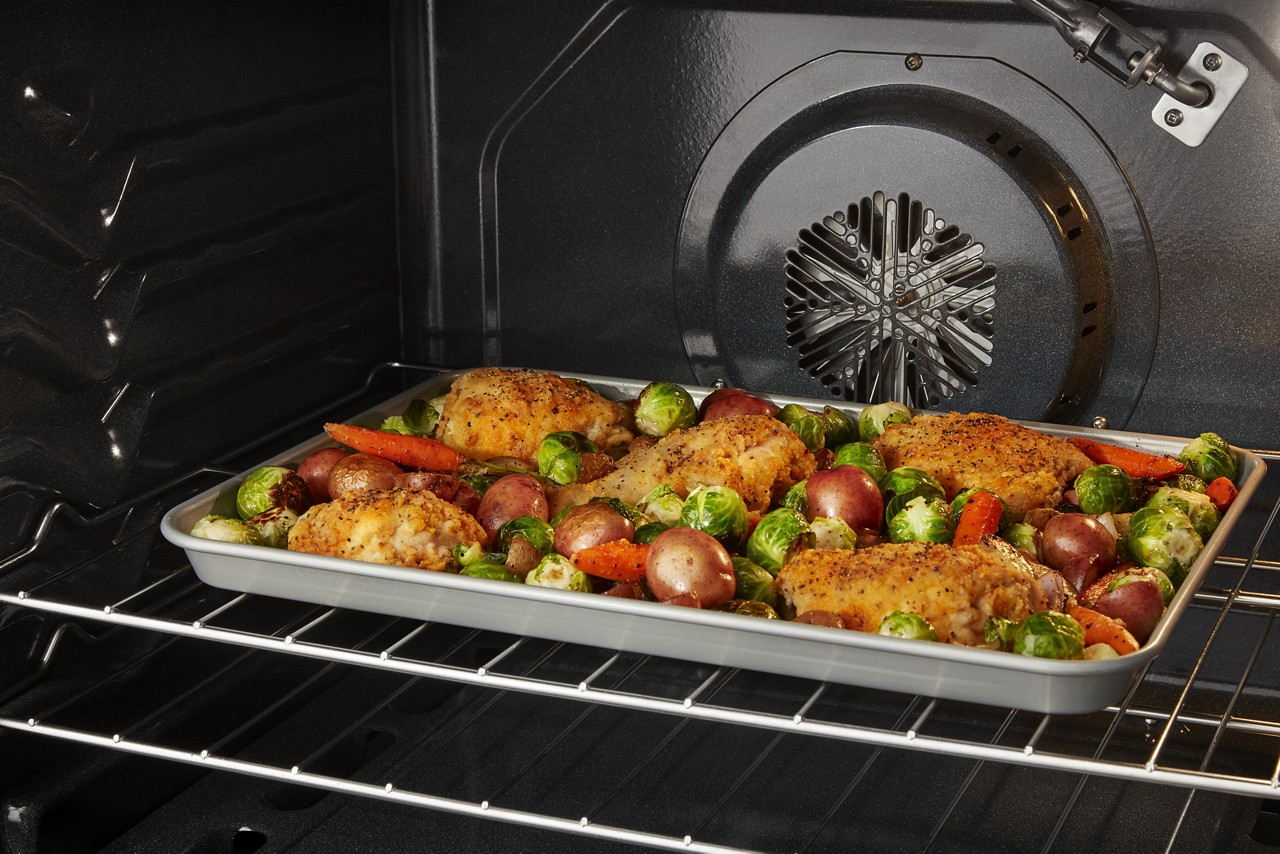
(756, 455)
(497, 412)
(399, 527)
(1026, 468)
(955, 588)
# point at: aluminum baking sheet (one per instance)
(710, 637)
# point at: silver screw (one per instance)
(1173, 118)
(1212, 62)
(914, 62)
(1099, 422)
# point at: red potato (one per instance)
(592, 524)
(511, 497)
(315, 471)
(821, 618)
(446, 486)
(1070, 536)
(1140, 604)
(362, 471)
(724, 402)
(688, 567)
(848, 493)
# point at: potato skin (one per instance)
(361, 471)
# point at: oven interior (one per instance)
(225, 225)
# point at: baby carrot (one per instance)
(414, 451)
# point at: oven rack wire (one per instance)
(1135, 740)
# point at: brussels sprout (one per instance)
(926, 520)
(272, 486)
(1142, 573)
(662, 407)
(1049, 634)
(958, 503)
(1209, 457)
(863, 456)
(645, 533)
(537, 532)
(905, 483)
(1164, 538)
(557, 572)
(1199, 509)
(1104, 489)
(718, 511)
(754, 582)
(838, 428)
(777, 538)
(809, 427)
(875, 419)
(472, 556)
(419, 419)
(1022, 536)
(904, 624)
(560, 455)
(748, 608)
(632, 514)
(274, 525)
(662, 504)
(1189, 482)
(826, 532)
(797, 498)
(228, 530)
(998, 631)
(492, 571)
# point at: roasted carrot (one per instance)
(414, 451)
(1099, 628)
(617, 561)
(1221, 492)
(980, 516)
(1131, 462)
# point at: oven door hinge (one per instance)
(1194, 98)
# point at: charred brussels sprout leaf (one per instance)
(838, 428)
(662, 407)
(227, 530)
(662, 504)
(924, 520)
(1209, 457)
(272, 486)
(533, 529)
(557, 572)
(718, 511)
(1164, 538)
(1104, 489)
(754, 582)
(874, 420)
(863, 456)
(1199, 509)
(776, 538)
(1049, 634)
(809, 427)
(904, 624)
(560, 455)
(274, 526)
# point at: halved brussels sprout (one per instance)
(492, 571)
(1209, 457)
(662, 407)
(274, 526)
(777, 538)
(924, 520)
(1199, 509)
(754, 582)
(826, 532)
(537, 532)
(875, 419)
(1164, 538)
(560, 455)
(272, 486)
(905, 483)
(863, 456)
(904, 624)
(809, 427)
(1049, 634)
(418, 419)
(1104, 489)
(748, 608)
(662, 504)
(556, 571)
(718, 511)
(226, 529)
(838, 428)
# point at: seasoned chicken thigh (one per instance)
(1025, 467)
(497, 412)
(955, 588)
(756, 455)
